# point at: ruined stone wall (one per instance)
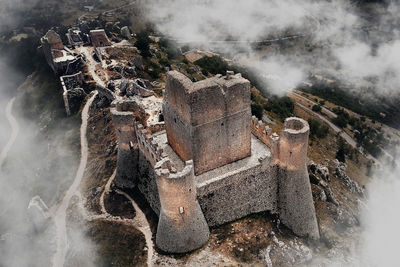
(99, 38)
(48, 55)
(107, 93)
(78, 80)
(66, 102)
(181, 226)
(237, 195)
(147, 145)
(208, 121)
(149, 154)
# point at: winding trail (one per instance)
(139, 222)
(60, 214)
(143, 226)
(14, 132)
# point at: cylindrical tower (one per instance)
(123, 120)
(296, 206)
(181, 226)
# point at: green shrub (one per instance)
(257, 110)
(154, 70)
(213, 65)
(143, 44)
(170, 48)
(317, 129)
(316, 108)
(282, 106)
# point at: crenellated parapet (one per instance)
(182, 226)
(149, 147)
(261, 131)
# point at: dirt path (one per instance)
(14, 132)
(143, 226)
(60, 214)
(139, 222)
(91, 63)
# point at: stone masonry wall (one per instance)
(296, 206)
(208, 121)
(235, 196)
(147, 182)
(176, 112)
(127, 164)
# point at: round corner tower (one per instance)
(296, 206)
(123, 119)
(182, 226)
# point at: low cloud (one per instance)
(381, 220)
(336, 27)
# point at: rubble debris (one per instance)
(330, 197)
(138, 87)
(340, 172)
(125, 32)
(293, 252)
(320, 169)
(142, 88)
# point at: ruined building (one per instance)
(201, 160)
(60, 59)
(99, 38)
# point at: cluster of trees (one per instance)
(316, 108)
(283, 107)
(343, 118)
(367, 137)
(143, 43)
(213, 65)
(317, 129)
(380, 108)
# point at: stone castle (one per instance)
(201, 160)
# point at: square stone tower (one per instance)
(208, 121)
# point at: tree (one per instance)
(342, 150)
(257, 110)
(317, 129)
(340, 155)
(143, 44)
(316, 108)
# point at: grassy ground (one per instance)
(101, 136)
(116, 244)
